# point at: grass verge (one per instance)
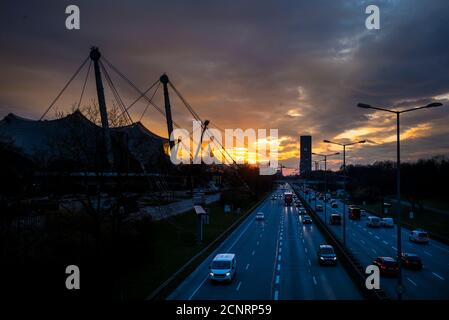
(173, 244)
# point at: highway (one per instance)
(276, 260)
(368, 243)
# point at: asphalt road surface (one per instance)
(432, 282)
(276, 259)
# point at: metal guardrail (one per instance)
(349, 261)
(171, 283)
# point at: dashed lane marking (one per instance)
(247, 266)
(438, 276)
(412, 282)
(276, 295)
(238, 286)
(314, 280)
(277, 279)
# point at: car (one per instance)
(418, 236)
(387, 265)
(335, 219)
(362, 213)
(298, 204)
(223, 267)
(411, 261)
(306, 219)
(302, 211)
(373, 222)
(334, 205)
(260, 216)
(326, 255)
(387, 222)
(319, 207)
(273, 198)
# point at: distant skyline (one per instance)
(299, 66)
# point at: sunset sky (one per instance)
(298, 66)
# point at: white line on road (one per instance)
(377, 237)
(314, 280)
(385, 242)
(412, 282)
(305, 249)
(310, 263)
(276, 295)
(277, 279)
(252, 253)
(280, 250)
(247, 266)
(279, 257)
(257, 243)
(394, 248)
(438, 276)
(362, 241)
(279, 267)
(353, 234)
(374, 251)
(427, 253)
(280, 243)
(238, 286)
(370, 233)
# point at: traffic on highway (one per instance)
(372, 240)
(277, 253)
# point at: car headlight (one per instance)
(228, 274)
(334, 258)
(321, 258)
(211, 274)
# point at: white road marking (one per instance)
(305, 249)
(280, 250)
(412, 282)
(385, 242)
(276, 295)
(438, 276)
(377, 237)
(279, 257)
(394, 248)
(280, 243)
(362, 241)
(277, 279)
(238, 286)
(374, 251)
(279, 267)
(257, 243)
(353, 234)
(252, 253)
(310, 263)
(427, 253)
(247, 266)
(370, 233)
(314, 280)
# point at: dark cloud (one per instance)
(300, 66)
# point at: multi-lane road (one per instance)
(432, 282)
(276, 259)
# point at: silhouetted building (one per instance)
(305, 162)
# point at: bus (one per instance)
(288, 198)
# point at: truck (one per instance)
(354, 213)
(288, 198)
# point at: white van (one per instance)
(223, 267)
(373, 222)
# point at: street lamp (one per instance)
(399, 288)
(325, 180)
(344, 145)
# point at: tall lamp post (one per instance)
(325, 180)
(344, 145)
(399, 288)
